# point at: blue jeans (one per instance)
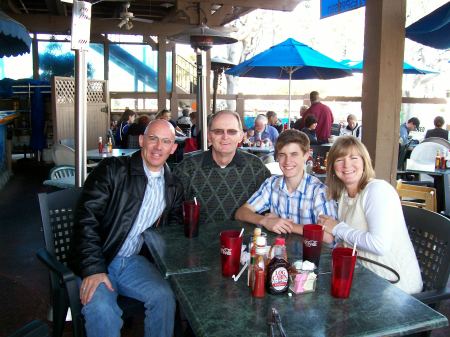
(137, 278)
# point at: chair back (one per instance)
(186, 128)
(57, 214)
(417, 196)
(63, 155)
(430, 236)
(70, 142)
(64, 171)
(110, 134)
(335, 129)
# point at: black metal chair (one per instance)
(430, 236)
(57, 214)
(33, 329)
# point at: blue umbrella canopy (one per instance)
(14, 38)
(432, 30)
(290, 59)
(357, 67)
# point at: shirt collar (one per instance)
(300, 188)
(208, 160)
(151, 174)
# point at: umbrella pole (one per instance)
(289, 106)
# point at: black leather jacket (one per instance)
(109, 204)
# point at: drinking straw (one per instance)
(195, 201)
(235, 278)
(242, 231)
(354, 248)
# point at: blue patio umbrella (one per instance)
(357, 67)
(290, 60)
(432, 30)
(14, 38)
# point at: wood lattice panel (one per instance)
(64, 110)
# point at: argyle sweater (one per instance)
(220, 191)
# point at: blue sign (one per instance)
(333, 7)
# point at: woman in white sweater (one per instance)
(369, 214)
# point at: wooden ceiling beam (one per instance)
(277, 5)
(51, 24)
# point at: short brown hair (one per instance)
(342, 146)
(314, 96)
(292, 136)
(439, 121)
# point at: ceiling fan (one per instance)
(126, 18)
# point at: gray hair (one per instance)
(261, 118)
(224, 112)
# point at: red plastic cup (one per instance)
(342, 267)
(230, 252)
(191, 216)
(312, 243)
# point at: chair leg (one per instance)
(60, 307)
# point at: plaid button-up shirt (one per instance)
(303, 206)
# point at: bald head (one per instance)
(159, 124)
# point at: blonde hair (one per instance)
(343, 146)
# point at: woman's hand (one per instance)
(328, 222)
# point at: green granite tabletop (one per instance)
(176, 254)
(217, 306)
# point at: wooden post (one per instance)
(384, 40)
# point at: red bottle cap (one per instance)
(280, 241)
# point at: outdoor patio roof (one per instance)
(151, 17)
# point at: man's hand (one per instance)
(90, 284)
(276, 224)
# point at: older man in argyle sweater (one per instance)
(222, 178)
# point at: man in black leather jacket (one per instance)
(121, 198)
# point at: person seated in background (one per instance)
(352, 128)
(184, 122)
(310, 129)
(223, 177)
(298, 122)
(411, 125)
(166, 115)
(124, 123)
(135, 130)
(263, 132)
(293, 199)
(369, 214)
(274, 121)
(438, 131)
(185, 117)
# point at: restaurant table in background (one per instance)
(95, 155)
(442, 185)
(257, 149)
(218, 306)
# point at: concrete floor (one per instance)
(24, 284)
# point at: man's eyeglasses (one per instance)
(152, 139)
(221, 132)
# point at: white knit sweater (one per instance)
(374, 220)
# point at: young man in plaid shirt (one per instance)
(293, 199)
